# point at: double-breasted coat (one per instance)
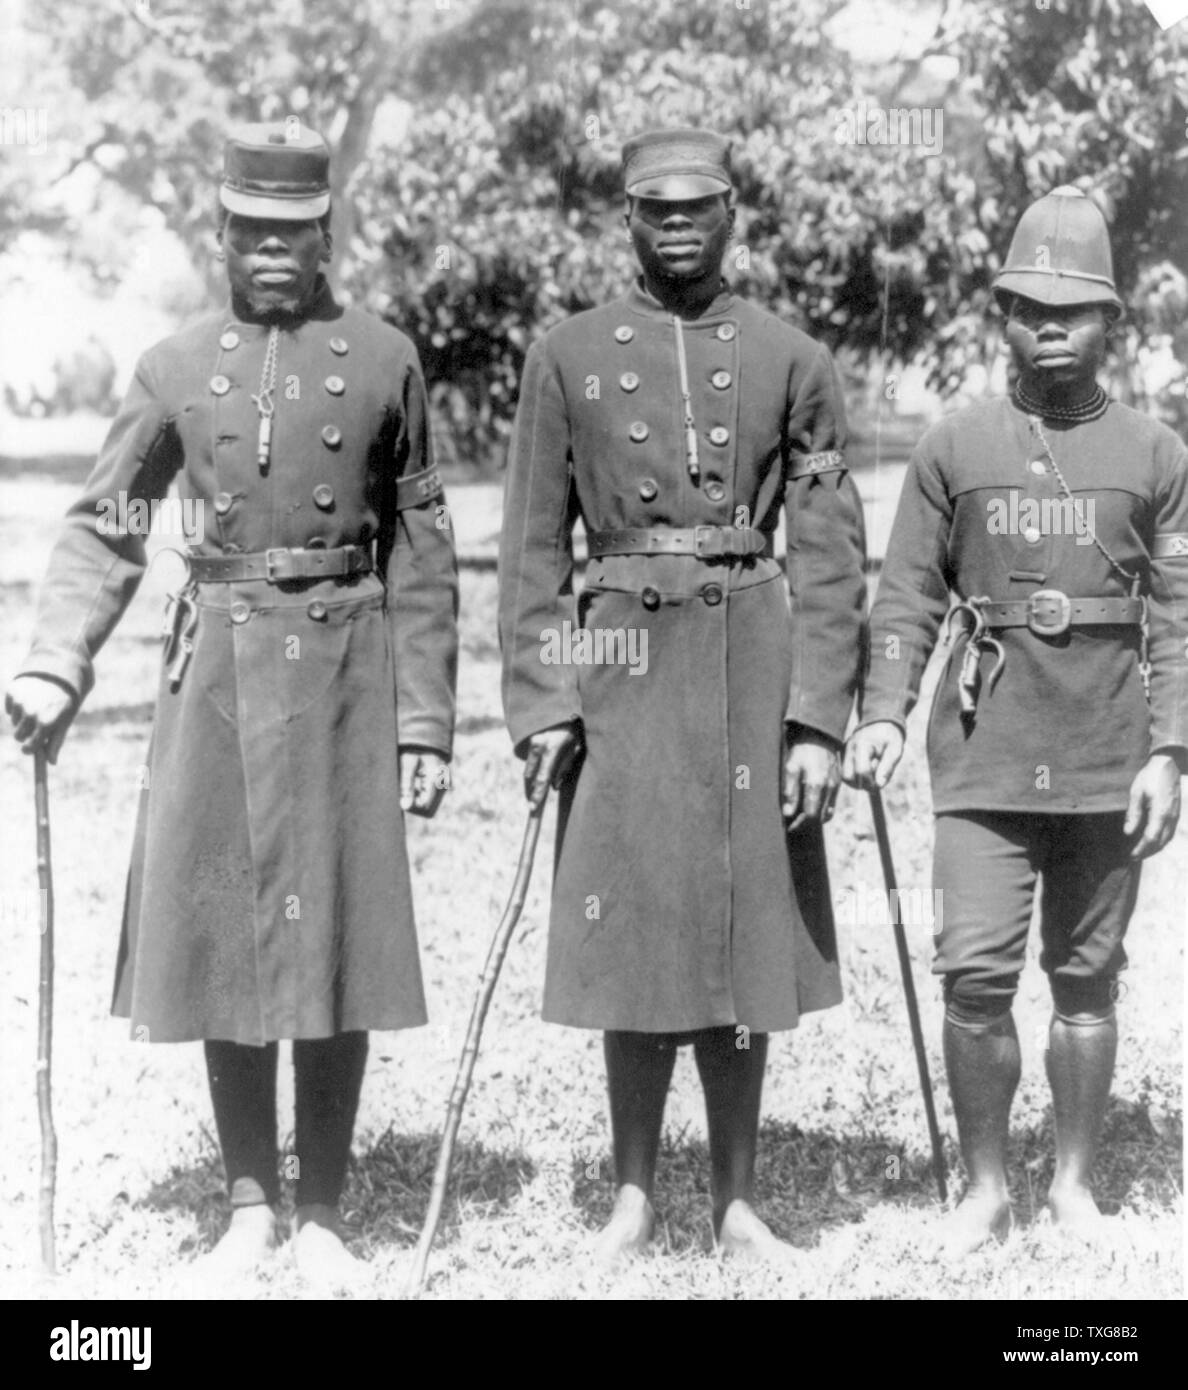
(679, 901)
(1067, 724)
(269, 892)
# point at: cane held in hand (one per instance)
(45, 1018)
(909, 990)
(478, 1014)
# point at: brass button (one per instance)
(335, 385)
(623, 334)
(323, 496)
(317, 610)
(712, 593)
(648, 489)
(331, 436)
(726, 332)
(240, 612)
(1038, 466)
(223, 502)
(638, 431)
(651, 599)
(229, 340)
(714, 490)
(720, 380)
(220, 385)
(629, 381)
(338, 346)
(719, 435)
(1031, 535)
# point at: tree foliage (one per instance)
(477, 147)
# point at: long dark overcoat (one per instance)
(269, 892)
(678, 901)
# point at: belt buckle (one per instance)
(703, 537)
(1049, 612)
(274, 560)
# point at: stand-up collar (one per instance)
(322, 306)
(640, 301)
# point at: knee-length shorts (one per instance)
(988, 867)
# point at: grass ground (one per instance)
(844, 1162)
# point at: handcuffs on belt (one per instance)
(977, 642)
(181, 622)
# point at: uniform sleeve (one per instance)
(1167, 610)
(416, 556)
(95, 567)
(826, 556)
(913, 593)
(536, 555)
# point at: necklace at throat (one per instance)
(1092, 408)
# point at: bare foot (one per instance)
(981, 1216)
(247, 1242)
(629, 1229)
(323, 1261)
(744, 1235)
(1075, 1214)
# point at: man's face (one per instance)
(1057, 344)
(680, 241)
(272, 266)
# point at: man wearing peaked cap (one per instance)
(306, 701)
(1056, 521)
(690, 901)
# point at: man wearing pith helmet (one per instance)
(690, 902)
(1052, 526)
(306, 700)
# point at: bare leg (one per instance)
(983, 1065)
(329, 1074)
(731, 1064)
(1080, 1061)
(638, 1073)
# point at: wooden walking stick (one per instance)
(45, 1018)
(478, 1014)
(909, 989)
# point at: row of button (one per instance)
(240, 612)
(220, 385)
(711, 594)
(231, 340)
(714, 489)
(323, 496)
(639, 431)
(720, 380)
(724, 332)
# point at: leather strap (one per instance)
(705, 542)
(1046, 611)
(1170, 545)
(809, 465)
(280, 564)
(418, 488)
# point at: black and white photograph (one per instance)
(594, 659)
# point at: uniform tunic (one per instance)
(679, 902)
(1067, 726)
(269, 892)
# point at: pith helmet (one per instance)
(278, 171)
(676, 165)
(1060, 254)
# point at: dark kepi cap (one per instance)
(279, 170)
(1060, 253)
(676, 165)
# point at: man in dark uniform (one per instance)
(677, 422)
(307, 691)
(1059, 521)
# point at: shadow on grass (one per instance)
(809, 1183)
(386, 1196)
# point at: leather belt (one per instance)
(1048, 612)
(279, 564)
(705, 542)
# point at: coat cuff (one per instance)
(814, 714)
(72, 667)
(421, 731)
